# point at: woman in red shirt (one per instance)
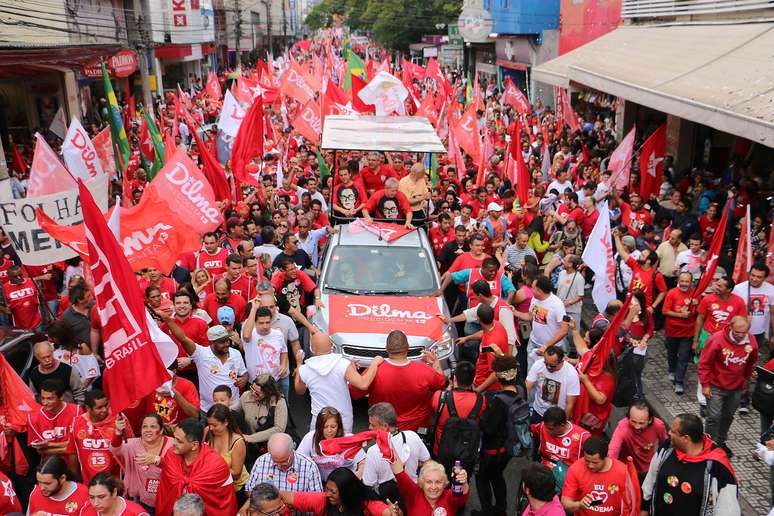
(635, 331)
(344, 494)
(600, 389)
(104, 498)
(708, 223)
(431, 494)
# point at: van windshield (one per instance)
(388, 270)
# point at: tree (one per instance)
(393, 23)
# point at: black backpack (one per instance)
(626, 380)
(461, 437)
(519, 437)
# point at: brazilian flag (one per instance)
(431, 164)
(158, 146)
(120, 142)
(356, 66)
(468, 93)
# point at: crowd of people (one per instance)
(220, 437)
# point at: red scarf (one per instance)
(205, 478)
(708, 452)
(350, 445)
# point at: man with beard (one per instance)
(638, 436)
(91, 435)
(53, 493)
(389, 204)
(223, 296)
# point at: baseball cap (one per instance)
(226, 315)
(493, 206)
(216, 333)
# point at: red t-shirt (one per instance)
(194, 328)
(379, 203)
(9, 501)
(23, 301)
(48, 286)
(167, 407)
(498, 336)
(718, 312)
(374, 179)
(72, 504)
(464, 401)
(291, 289)
(187, 260)
(438, 239)
(235, 301)
(409, 388)
(417, 504)
(214, 263)
(91, 443)
(128, 509)
(6, 264)
(317, 504)
(168, 287)
(680, 302)
(597, 416)
(43, 425)
(643, 279)
(243, 286)
(610, 487)
(565, 448)
(587, 222)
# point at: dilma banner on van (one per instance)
(32, 243)
(414, 316)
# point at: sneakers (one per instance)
(744, 403)
(743, 410)
(672, 377)
(679, 389)
(703, 410)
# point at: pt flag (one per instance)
(652, 163)
(121, 148)
(466, 133)
(620, 163)
(598, 255)
(133, 367)
(714, 252)
(514, 97)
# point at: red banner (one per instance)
(295, 85)
(516, 98)
(414, 316)
(121, 64)
(308, 122)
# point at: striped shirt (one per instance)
(302, 475)
(514, 255)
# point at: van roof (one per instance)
(366, 238)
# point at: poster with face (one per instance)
(348, 198)
(389, 208)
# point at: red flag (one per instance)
(357, 103)
(308, 123)
(169, 147)
(466, 133)
(632, 489)
(711, 263)
(651, 163)
(248, 144)
(744, 259)
(427, 109)
(16, 403)
(477, 100)
(434, 71)
(295, 84)
(213, 86)
(336, 102)
(518, 171)
(146, 143)
(213, 170)
(18, 163)
(567, 112)
(516, 98)
(620, 162)
(47, 175)
(133, 368)
(455, 156)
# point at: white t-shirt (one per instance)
(686, 261)
(263, 353)
(552, 389)
(411, 450)
(761, 300)
(212, 372)
(560, 187)
(546, 318)
(568, 287)
(327, 463)
(324, 376)
(86, 365)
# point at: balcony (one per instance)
(523, 16)
(633, 9)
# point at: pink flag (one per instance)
(104, 147)
(47, 175)
(620, 163)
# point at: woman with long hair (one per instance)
(635, 332)
(344, 494)
(202, 283)
(327, 426)
(105, 499)
(223, 436)
(265, 413)
(140, 457)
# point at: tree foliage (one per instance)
(393, 23)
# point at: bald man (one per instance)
(51, 368)
(326, 375)
(725, 367)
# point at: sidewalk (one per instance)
(752, 475)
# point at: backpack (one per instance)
(519, 437)
(461, 437)
(626, 381)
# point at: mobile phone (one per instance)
(596, 502)
(566, 318)
(487, 349)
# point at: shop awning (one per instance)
(380, 133)
(24, 60)
(717, 75)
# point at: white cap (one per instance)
(493, 206)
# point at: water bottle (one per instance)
(456, 488)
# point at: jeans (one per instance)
(284, 386)
(469, 350)
(678, 356)
(568, 343)
(639, 366)
(720, 413)
(491, 481)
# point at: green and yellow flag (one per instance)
(355, 65)
(325, 171)
(158, 145)
(120, 142)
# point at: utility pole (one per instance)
(267, 5)
(141, 49)
(284, 22)
(238, 32)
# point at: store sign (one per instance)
(122, 64)
(475, 24)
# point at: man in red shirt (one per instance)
(644, 274)
(441, 234)
(465, 399)
(679, 311)
(634, 216)
(715, 311)
(223, 296)
(91, 435)
(348, 197)
(46, 278)
(406, 384)
(725, 367)
(598, 484)
(494, 342)
(174, 401)
(53, 493)
(49, 428)
(241, 284)
(389, 204)
(570, 209)
(638, 436)
(375, 174)
(560, 439)
(212, 257)
(22, 302)
(153, 277)
(194, 327)
(293, 284)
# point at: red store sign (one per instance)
(121, 64)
